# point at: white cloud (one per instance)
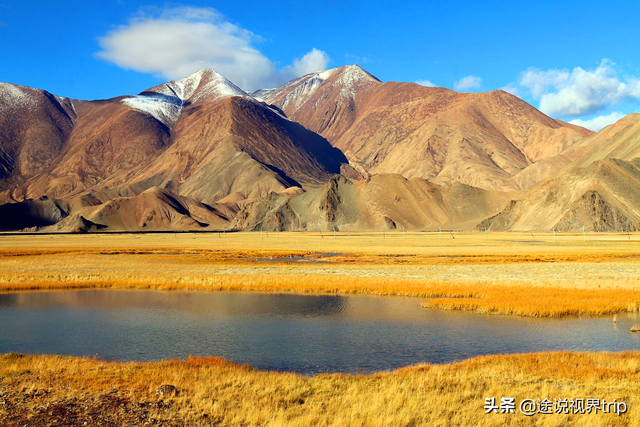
(426, 83)
(578, 92)
(178, 41)
(469, 82)
(316, 60)
(598, 123)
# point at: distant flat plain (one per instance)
(507, 273)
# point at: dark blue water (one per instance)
(301, 333)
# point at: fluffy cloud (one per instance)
(176, 42)
(466, 83)
(316, 60)
(426, 83)
(578, 92)
(598, 123)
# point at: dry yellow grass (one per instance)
(215, 392)
(493, 298)
(504, 274)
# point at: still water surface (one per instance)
(301, 333)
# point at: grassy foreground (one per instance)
(54, 390)
(508, 273)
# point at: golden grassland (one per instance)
(508, 273)
(212, 391)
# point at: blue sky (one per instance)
(573, 60)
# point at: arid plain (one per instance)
(503, 273)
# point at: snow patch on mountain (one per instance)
(262, 94)
(67, 105)
(15, 99)
(165, 109)
(66, 102)
(165, 102)
(305, 88)
(12, 96)
(200, 85)
(352, 79)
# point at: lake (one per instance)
(307, 334)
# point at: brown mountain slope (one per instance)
(108, 139)
(245, 147)
(433, 133)
(620, 140)
(603, 196)
(387, 201)
(34, 126)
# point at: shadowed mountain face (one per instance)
(481, 139)
(32, 213)
(34, 126)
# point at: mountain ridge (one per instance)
(199, 152)
(482, 139)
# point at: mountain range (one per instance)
(336, 149)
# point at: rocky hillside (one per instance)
(387, 201)
(603, 196)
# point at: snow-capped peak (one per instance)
(202, 84)
(165, 102)
(356, 73)
(352, 78)
(16, 97)
(294, 94)
(303, 88)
